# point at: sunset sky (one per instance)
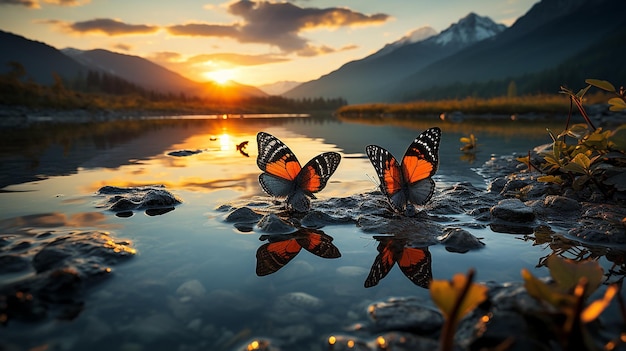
(251, 42)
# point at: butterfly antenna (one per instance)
(373, 180)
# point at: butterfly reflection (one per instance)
(414, 262)
(282, 248)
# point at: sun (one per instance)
(221, 76)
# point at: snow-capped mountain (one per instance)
(415, 36)
(361, 80)
(470, 29)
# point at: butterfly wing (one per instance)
(416, 265)
(315, 174)
(389, 173)
(419, 164)
(383, 262)
(318, 243)
(270, 257)
(279, 164)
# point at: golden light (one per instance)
(221, 76)
(332, 340)
(225, 143)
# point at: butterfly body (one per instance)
(284, 177)
(409, 181)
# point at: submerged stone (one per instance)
(153, 199)
(513, 210)
(459, 240)
(408, 314)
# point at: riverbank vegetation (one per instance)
(549, 104)
(102, 91)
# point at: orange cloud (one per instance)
(278, 24)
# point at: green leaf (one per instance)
(602, 84)
(582, 92)
(618, 138)
(617, 104)
(577, 131)
(575, 167)
(567, 273)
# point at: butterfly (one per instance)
(414, 262)
(282, 248)
(283, 176)
(410, 181)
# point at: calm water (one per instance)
(50, 176)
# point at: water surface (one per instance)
(192, 284)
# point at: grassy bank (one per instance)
(549, 104)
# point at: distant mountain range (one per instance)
(556, 42)
(41, 61)
(477, 51)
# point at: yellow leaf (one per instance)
(567, 273)
(465, 140)
(446, 293)
(602, 84)
(544, 292)
(594, 309)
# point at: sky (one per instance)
(250, 42)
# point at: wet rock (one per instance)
(243, 215)
(459, 240)
(295, 307)
(513, 210)
(273, 224)
(404, 314)
(12, 263)
(184, 153)
(318, 219)
(154, 199)
(562, 204)
(191, 289)
(65, 265)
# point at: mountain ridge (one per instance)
(356, 81)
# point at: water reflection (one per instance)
(414, 262)
(563, 247)
(282, 248)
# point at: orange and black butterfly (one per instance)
(414, 262)
(410, 181)
(282, 248)
(283, 176)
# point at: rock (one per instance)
(183, 153)
(404, 314)
(191, 288)
(513, 210)
(459, 240)
(153, 199)
(564, 205)
(273, 224)
(243, 215)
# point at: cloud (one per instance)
(278, 24)
(106, 26)
(69, 3)
(34, 4)
(31, 4)
(123, 47)
(234, 60)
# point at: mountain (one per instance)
(40, 60)
(151, 76)
(278, 88)
(361, 80)
(549, 34)
(413, 37)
